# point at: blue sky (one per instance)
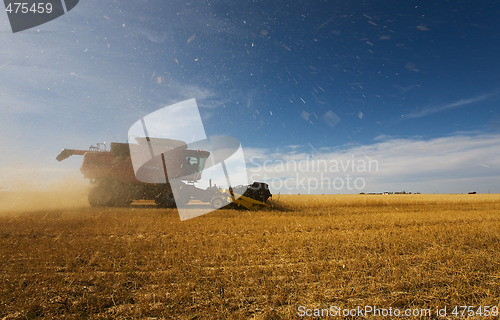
(412, 84)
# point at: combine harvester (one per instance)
(115, 184)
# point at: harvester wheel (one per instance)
(100, 196)
(108, 193)
(165, 200)
(183, 201)
(218, 203)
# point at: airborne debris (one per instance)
(330, 118)
(305, 115)
(411, 66)
(286, 47)
(191, 38)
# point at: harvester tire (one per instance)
(218, 203)
(108, 193)
(100, 197)
(182, 202)
(165, 200)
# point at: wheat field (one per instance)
(311, 252)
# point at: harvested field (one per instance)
(390, 251)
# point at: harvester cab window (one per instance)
(192, 160)
(193, 164)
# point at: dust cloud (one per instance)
(66, 193)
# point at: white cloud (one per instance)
(452, 164)
(447, 106)
(189, 91)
